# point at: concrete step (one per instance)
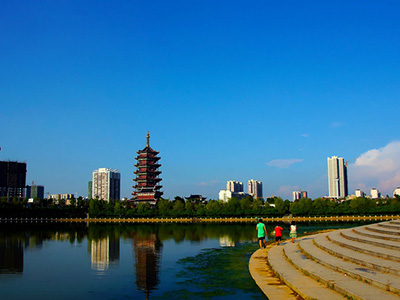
(337, 238)
(390, 225)
(365, 260)
(363, 230)
(356, 271)
(345, 285)
(352, 235)
(303, 285)
(383, 230)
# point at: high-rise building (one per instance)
(12, 179)
(337, 177)
(375, 194)
(234, 186)
(106, 184)
(296, 195)
(359, 193)
(255, 188)
(33, 191)
(147, 188)
(396, 192)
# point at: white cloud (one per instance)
(378, 168)
(283, 163)
(209, 183)
(336, 124)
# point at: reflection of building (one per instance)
(11, 256)
(103, 252)
(12, 179)
(234, 186)
(147, 257)
(147, 188)
(337, 177)
(106, 184)
(255, 188)
(226, 241)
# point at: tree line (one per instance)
(179, 207)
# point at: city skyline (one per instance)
(227, 90)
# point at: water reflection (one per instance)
(12, 256)
(103, 252)
(147, 251)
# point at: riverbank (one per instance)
(212, 220)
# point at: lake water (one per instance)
(131, 261)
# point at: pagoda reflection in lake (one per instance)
(147, 250)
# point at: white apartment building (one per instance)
(375, 194)
(254, 188)
(337, 177)
(234, 186)
(106, 184)
(396, 192)
(359, 193)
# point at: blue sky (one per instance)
(229, 90)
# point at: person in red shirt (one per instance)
(278, 234)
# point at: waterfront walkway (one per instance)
(355, 263)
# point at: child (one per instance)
(278, 234)
(293, 231)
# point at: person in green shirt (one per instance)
(261, 233)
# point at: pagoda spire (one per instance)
(148, 139)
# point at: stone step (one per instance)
(351, 235)
(390, 225)
(363, 230)
(383, 230)
(366, 260)
(371, 276)
(337, 238)
(303, 285)
(345, 285)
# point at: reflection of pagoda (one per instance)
(147, 257)
(146, 188)
(103, 252)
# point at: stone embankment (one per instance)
(355, 263)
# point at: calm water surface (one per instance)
(131, 261)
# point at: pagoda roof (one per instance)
(147, 149)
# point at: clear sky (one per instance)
(229, 90)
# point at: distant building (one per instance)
(33, 191)
(12, 179)
(255, 188)
(359, 193)
(90, 196)
(337, 177)
(106, 184)
(196, 198)
(375, 194)
(234, 186)
(396, 192)
(225, 195)
(297, 195)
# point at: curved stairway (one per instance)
(354, 263)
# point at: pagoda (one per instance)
(146, 185)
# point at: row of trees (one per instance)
(246, 207)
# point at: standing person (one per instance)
(278, 234)
(293, 231)
(261, 233)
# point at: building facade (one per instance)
(254, 188)
(297, 195)
(147, 188)
(34, 191)
(375, 194)
(337, 177)
(396, 192)
(106, 184)
(12, 179)
(359, 193)
(234, 186)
